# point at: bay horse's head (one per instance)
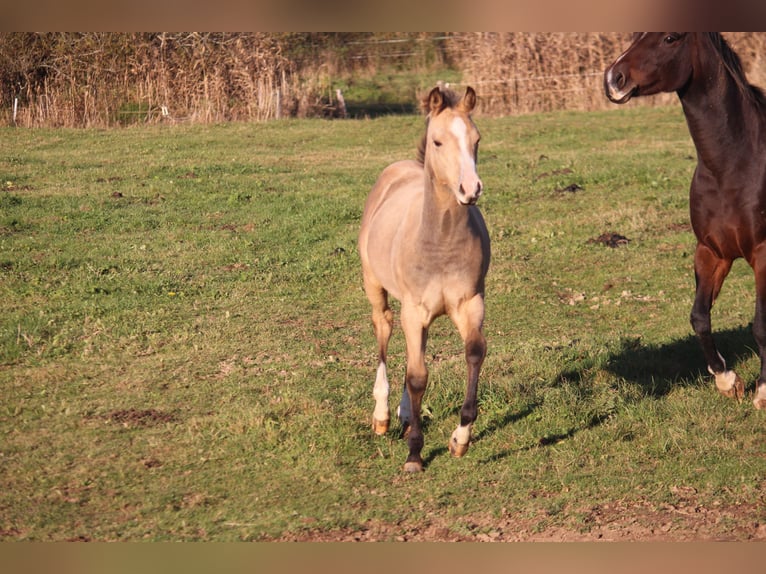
(451, 144)
(655, 62)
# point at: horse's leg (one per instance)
(759, 328)
(382, 322)
(415, 380)
(710, 272)
(469, 319)
(404, 412)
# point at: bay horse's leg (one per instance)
(415, 380)
(469, 319)
(709, 273)
(759, 329)
(382, 322)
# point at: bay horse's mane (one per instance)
(733, 65)
(451, 99)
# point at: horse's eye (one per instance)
(437, 143)
(670, 38)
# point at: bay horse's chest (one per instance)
(729, 217)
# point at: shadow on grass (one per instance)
(657, 369)
(654, 369)
(549, 439)
(510, 416)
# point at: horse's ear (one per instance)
(435, 101)
(468, 103)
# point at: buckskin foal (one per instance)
(424, 242)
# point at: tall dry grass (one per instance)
(98, 79)
(521, 72)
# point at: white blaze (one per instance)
(467, 176)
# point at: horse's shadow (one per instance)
(655, 369)
(510, 416)
(658, 369)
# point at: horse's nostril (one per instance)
(476, 191)
(619, 80)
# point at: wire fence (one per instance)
(97, 79)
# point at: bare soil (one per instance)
(608, 522)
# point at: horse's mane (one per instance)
(450, 99)
(733, 65)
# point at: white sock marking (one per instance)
(380, 393)
(462, 434)
(725, 381)
(760, 395)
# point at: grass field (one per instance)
(186, 351)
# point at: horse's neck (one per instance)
(441, 214)
(715, 112)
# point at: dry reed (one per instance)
(99, 79)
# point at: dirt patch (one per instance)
(140, 418)
(571, 188)
(638, 521)
(565, 171)
(610, 240)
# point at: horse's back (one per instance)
(398, 177)
(397, 192)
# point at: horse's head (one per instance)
(655, 62)
(452, 143)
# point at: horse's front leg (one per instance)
(404, 412)
(759, 327)
(469, 319)
(415, 380)
(709, 273)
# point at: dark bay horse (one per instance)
(726, 117)
(423, 241)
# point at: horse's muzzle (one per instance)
(470, 197)
(617, 86)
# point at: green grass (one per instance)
(186, 352)
(390, 91)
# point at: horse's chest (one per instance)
(731, 224)
(434, 288)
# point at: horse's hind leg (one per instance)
(759, 330)
(710, 272)
(382, 322)
(469, 321)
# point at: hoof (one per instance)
(730, 385)
(413, 466)
(456, 449)
(760, 397)
(379, 427)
